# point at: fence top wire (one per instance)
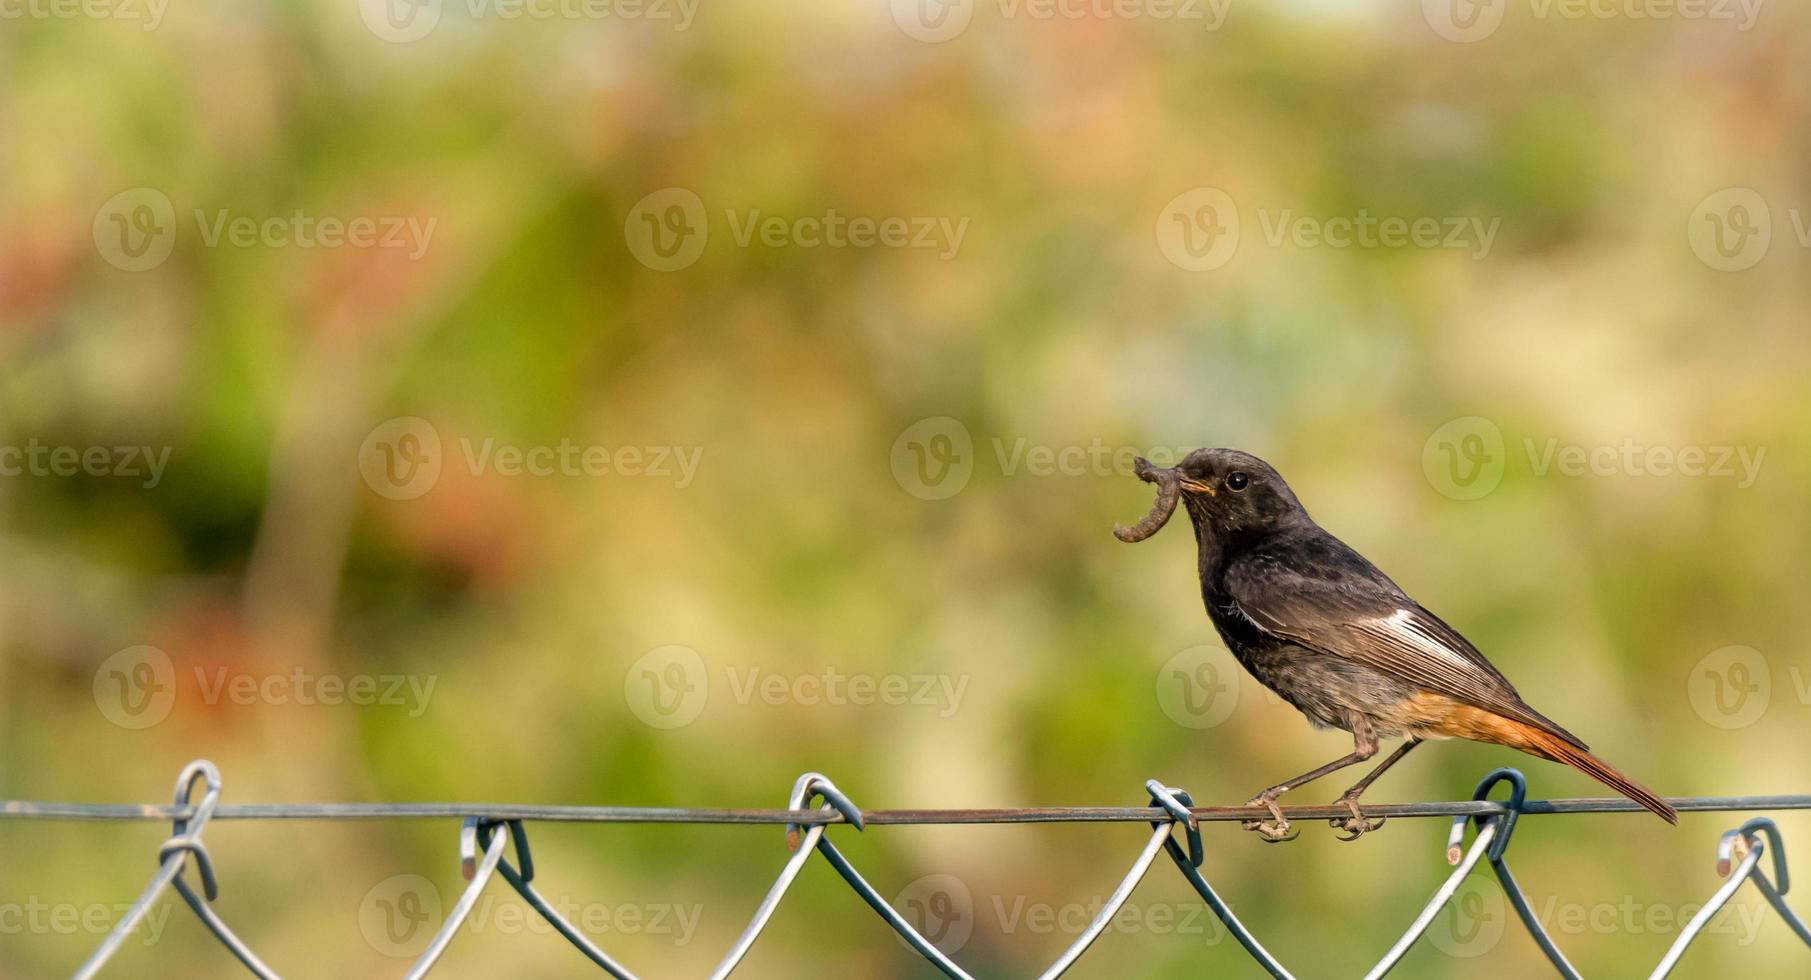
(487, 831)
(44, 810)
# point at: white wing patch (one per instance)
(1232, 607)
(1403, 626)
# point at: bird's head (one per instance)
(1229, 494)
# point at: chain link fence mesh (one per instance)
(489, 832)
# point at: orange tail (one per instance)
(1534, 741)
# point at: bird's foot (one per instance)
(1275, 830)
(1355, 826)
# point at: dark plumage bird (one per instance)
(1315, 622)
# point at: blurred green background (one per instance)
(896, 463)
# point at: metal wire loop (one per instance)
(172, 855)
(203, 863)
(1518, 795)
(1745, 834)
(1177, 802)
(813, 785)
(815, 803)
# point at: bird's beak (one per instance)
(1151, 473)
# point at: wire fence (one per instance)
(488, 831)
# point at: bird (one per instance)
(1315, 622)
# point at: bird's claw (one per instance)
(1357, 825)
(1277, 829)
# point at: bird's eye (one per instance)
(1237, 481)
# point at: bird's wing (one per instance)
(1346, 608)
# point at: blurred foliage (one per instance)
(793, 371)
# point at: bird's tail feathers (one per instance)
(1547, 745)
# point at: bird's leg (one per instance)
(1278, 829)
(1358, 825)
(1364, 746)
